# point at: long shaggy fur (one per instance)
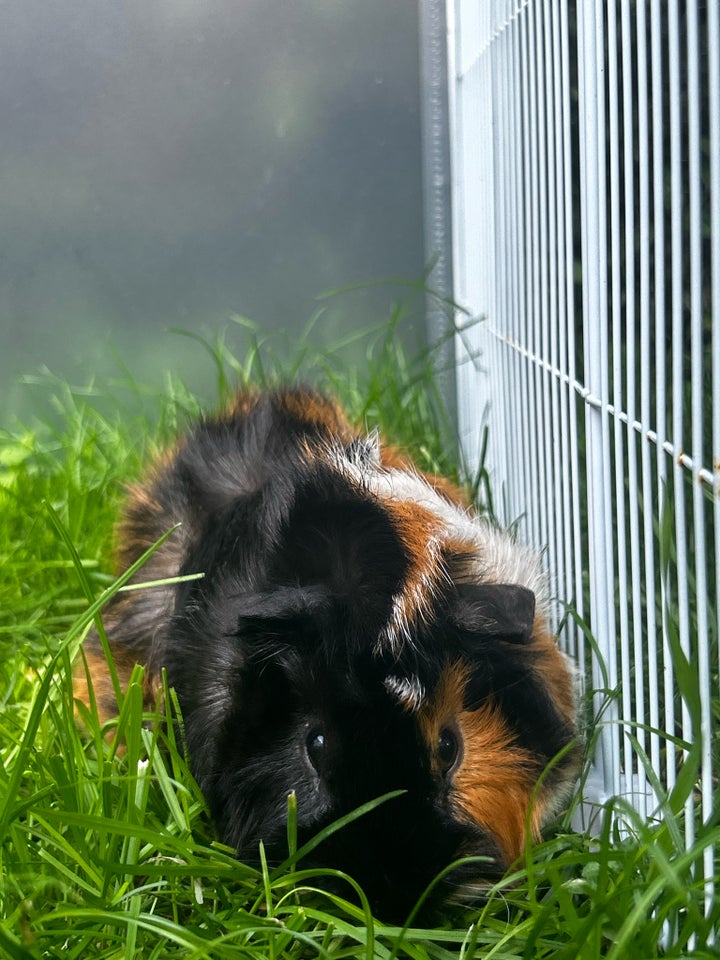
(357, 630)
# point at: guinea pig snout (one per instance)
(397, 851)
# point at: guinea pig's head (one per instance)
(300, 668)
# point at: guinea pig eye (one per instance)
(448, 749)
(316, 748)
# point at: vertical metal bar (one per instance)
(518, 193)
(487, 204)
(455, 138)
(526, 281)
(676, 213)
(539, 318)
(660, 361)
(546, 256)
(714, 110)
(569, 251)
(503, 241)
(483, 224)
(519, 499)
(598, 382)
(616, 298)
(697, 393)
(556, 465)
(459, 197)
(594, 233)
(465, 178)
(560, 321)
(436, 192)
(713, 53)
(511, 358)
(635, 648)
(648, 499)
(528, 312)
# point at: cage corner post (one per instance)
(437, 191)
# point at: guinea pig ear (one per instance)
(503, 610)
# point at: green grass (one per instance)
(107, 854)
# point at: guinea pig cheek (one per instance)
(493, 784)
(488, 776)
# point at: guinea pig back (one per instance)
(356, 631)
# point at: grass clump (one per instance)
(109, 853)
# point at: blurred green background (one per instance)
(168, 163)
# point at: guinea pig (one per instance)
(357, 631)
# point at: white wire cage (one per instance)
(585, 158)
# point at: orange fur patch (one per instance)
(554, 671)
(493, 783)
(418, 530)
(447, 704)
(316, 411)
(241, 404)
(495, 780)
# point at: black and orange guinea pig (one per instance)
(357, 631)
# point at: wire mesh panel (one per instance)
(585, 142)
